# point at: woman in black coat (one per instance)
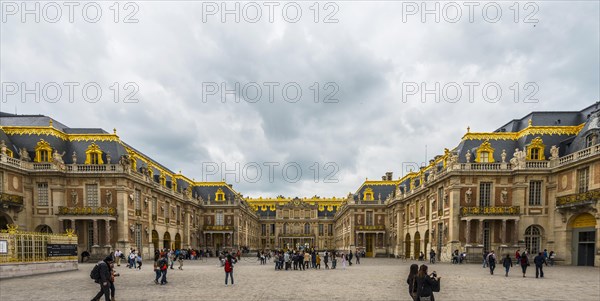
(425, 284)
(524, 263)
(412, 281)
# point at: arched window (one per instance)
(533, 239)
(93, 154)
(44, 229)
(43, 152)
(368, 194)
(219, 195)
(535, 150)
(485, 153)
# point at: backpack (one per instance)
(162, 264)
(228, 267)
(95, 273)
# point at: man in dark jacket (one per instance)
(539, 264)
(104, 280)
(350, 258)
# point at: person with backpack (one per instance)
(101, 274)
(229, 269)
(157, 265)
(164, 265)
(524, 262)
(426, 284)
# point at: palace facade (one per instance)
(534, 183)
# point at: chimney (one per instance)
(388, 175)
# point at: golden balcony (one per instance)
(372, 228)
(62, 210)
(218, 228)
(578, 199)
(490, 211)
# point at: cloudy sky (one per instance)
(361, 69)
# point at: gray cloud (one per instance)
(368, 55)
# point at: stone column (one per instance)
(73, 225)
(107, 234)
(503, 232)
(481, 231)
(95, 223)
(468, 232)
(516, 232)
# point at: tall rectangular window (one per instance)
(91, 191)
(138, 237)
(154, 205)
(272, 229)
(178, 218)
(485, 193)
(583, 179)
(136, 200)
(42, 194)
(535, 154)
(369, 220)
(440, 199)
(219, 221)
(535, 193)
(330, 229)
(263, 229)
(321, 229)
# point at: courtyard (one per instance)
(373, 279)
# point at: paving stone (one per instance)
(374, 279)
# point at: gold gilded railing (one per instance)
(11, 199)
(218, 228)
(62, 210)
(507, 210)
(20, 246)
(578, 198)
(374, 227)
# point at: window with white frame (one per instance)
(219, 221)
(485, 194)
(91, 191)
(583, 179)
(535, 193)
(42, 194)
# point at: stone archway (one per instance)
(583, 239)
(417, 244)
(5, 220)
(155, 239)
(177, 241)
(167, 240)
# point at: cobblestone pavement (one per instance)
(373, 279)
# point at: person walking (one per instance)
(432, 256)
(350, 257)
(524, 263)
(118, 257)
(333, 260)
(411, 280)
(425, 284)
(491, 260)
(507, 264)
(164, 267)
(104, 280)
(113, 274)
(539, 262)
(357, 255)
(229, 269)
(485, 263)
(180, 260)
(343, 261)
(326, 260)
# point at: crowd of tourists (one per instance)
(301, 260)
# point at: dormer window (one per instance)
(590, 140)
(43, 152)
(163, 180)
(368, 194)
(535, 150)
(93, 154)
(219, 195)
(485, 153)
